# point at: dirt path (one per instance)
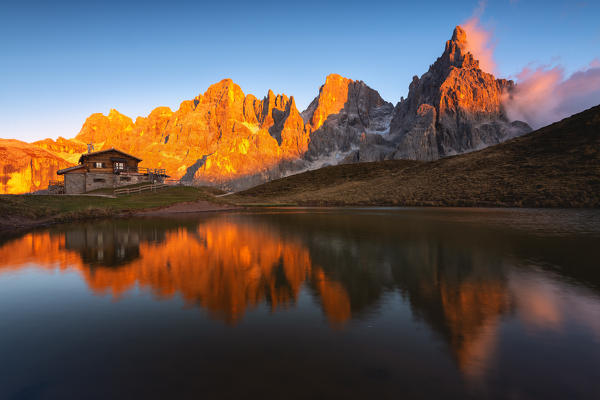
(188, 207)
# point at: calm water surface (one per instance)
(321, 303)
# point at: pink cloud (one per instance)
(479, 40)
(545, 94)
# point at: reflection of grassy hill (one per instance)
(556, 166)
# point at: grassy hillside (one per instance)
(556, 166)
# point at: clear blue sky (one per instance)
(62, 61)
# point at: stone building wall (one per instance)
(74, 183)
(98, 181)
(85, 182)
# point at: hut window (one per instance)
(99, 165)
(125, 179)
(97, 180)
(119, 165)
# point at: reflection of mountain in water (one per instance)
(459, 293)
(223, 266)
(456, 277)
(451, 283)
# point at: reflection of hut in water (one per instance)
(108, 244)
(104, 246)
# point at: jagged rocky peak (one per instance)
(343, 111)
(459, 35)
(340, 94)
(271, 110)
(333, 94)
(224, 98)
(454, 107)
(289, 129)
(456, 52)
(225, 90)
(100, 128)
(218, 136)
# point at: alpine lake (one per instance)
(305, 303)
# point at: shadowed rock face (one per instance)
(455, 107)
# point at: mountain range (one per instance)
(235, 140)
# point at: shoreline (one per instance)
(17, 225)
(20, 213)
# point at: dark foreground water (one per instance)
(368, 304)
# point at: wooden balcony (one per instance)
(153, 171)
(141, 170)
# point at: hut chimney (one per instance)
(90, 147)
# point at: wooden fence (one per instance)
(138, 189)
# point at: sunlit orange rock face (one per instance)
(452, 108)
(25, 167)
(224, 136)
(225, 268)
(68, 149)
(218, 136)
(332, 97)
